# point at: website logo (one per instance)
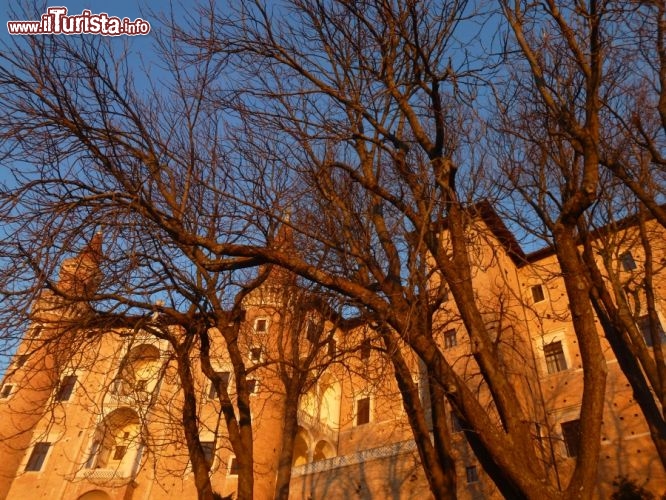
(56, 22)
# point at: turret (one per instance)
(79, 279)
(80, 276)
(283, 242)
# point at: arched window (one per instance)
(329, 410)
(301, 448)
(323, 450)
(138, 372)
(116, 443)
(95, 495)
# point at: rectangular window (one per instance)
(118, 387)
(21, 359)
(255, 354)
(450, 339)
(66, 388)
(472, 474)
(6, 391)
(554, 354)
(212, 391)
(644, 326)
(314, 330)
(233, 466)
(225, 378)
(261, 325)
(571, 436)
(332, 347)
(537, 293)
(92, 456)
(35, 332)
(209, 452)
(628, 262)
(366, 348)
(362, 411)
(119, 452)
(37, 457)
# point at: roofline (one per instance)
(610, 228)
(503, 234)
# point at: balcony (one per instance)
(266, 296)
(316, 427)
(110, 477)
(124, 393)
(362, 456)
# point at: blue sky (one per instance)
(132, 9)
(120, 8)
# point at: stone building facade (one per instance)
(100, 423)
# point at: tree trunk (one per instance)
(245, 459)
(438, 465)
(442, 435)
(504, 483)
(289, 432)
(200, 468)
(594, 365)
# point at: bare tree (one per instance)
(354, 125)
(96, 153)
(369, 105)
(134, 166)
(579, 86)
